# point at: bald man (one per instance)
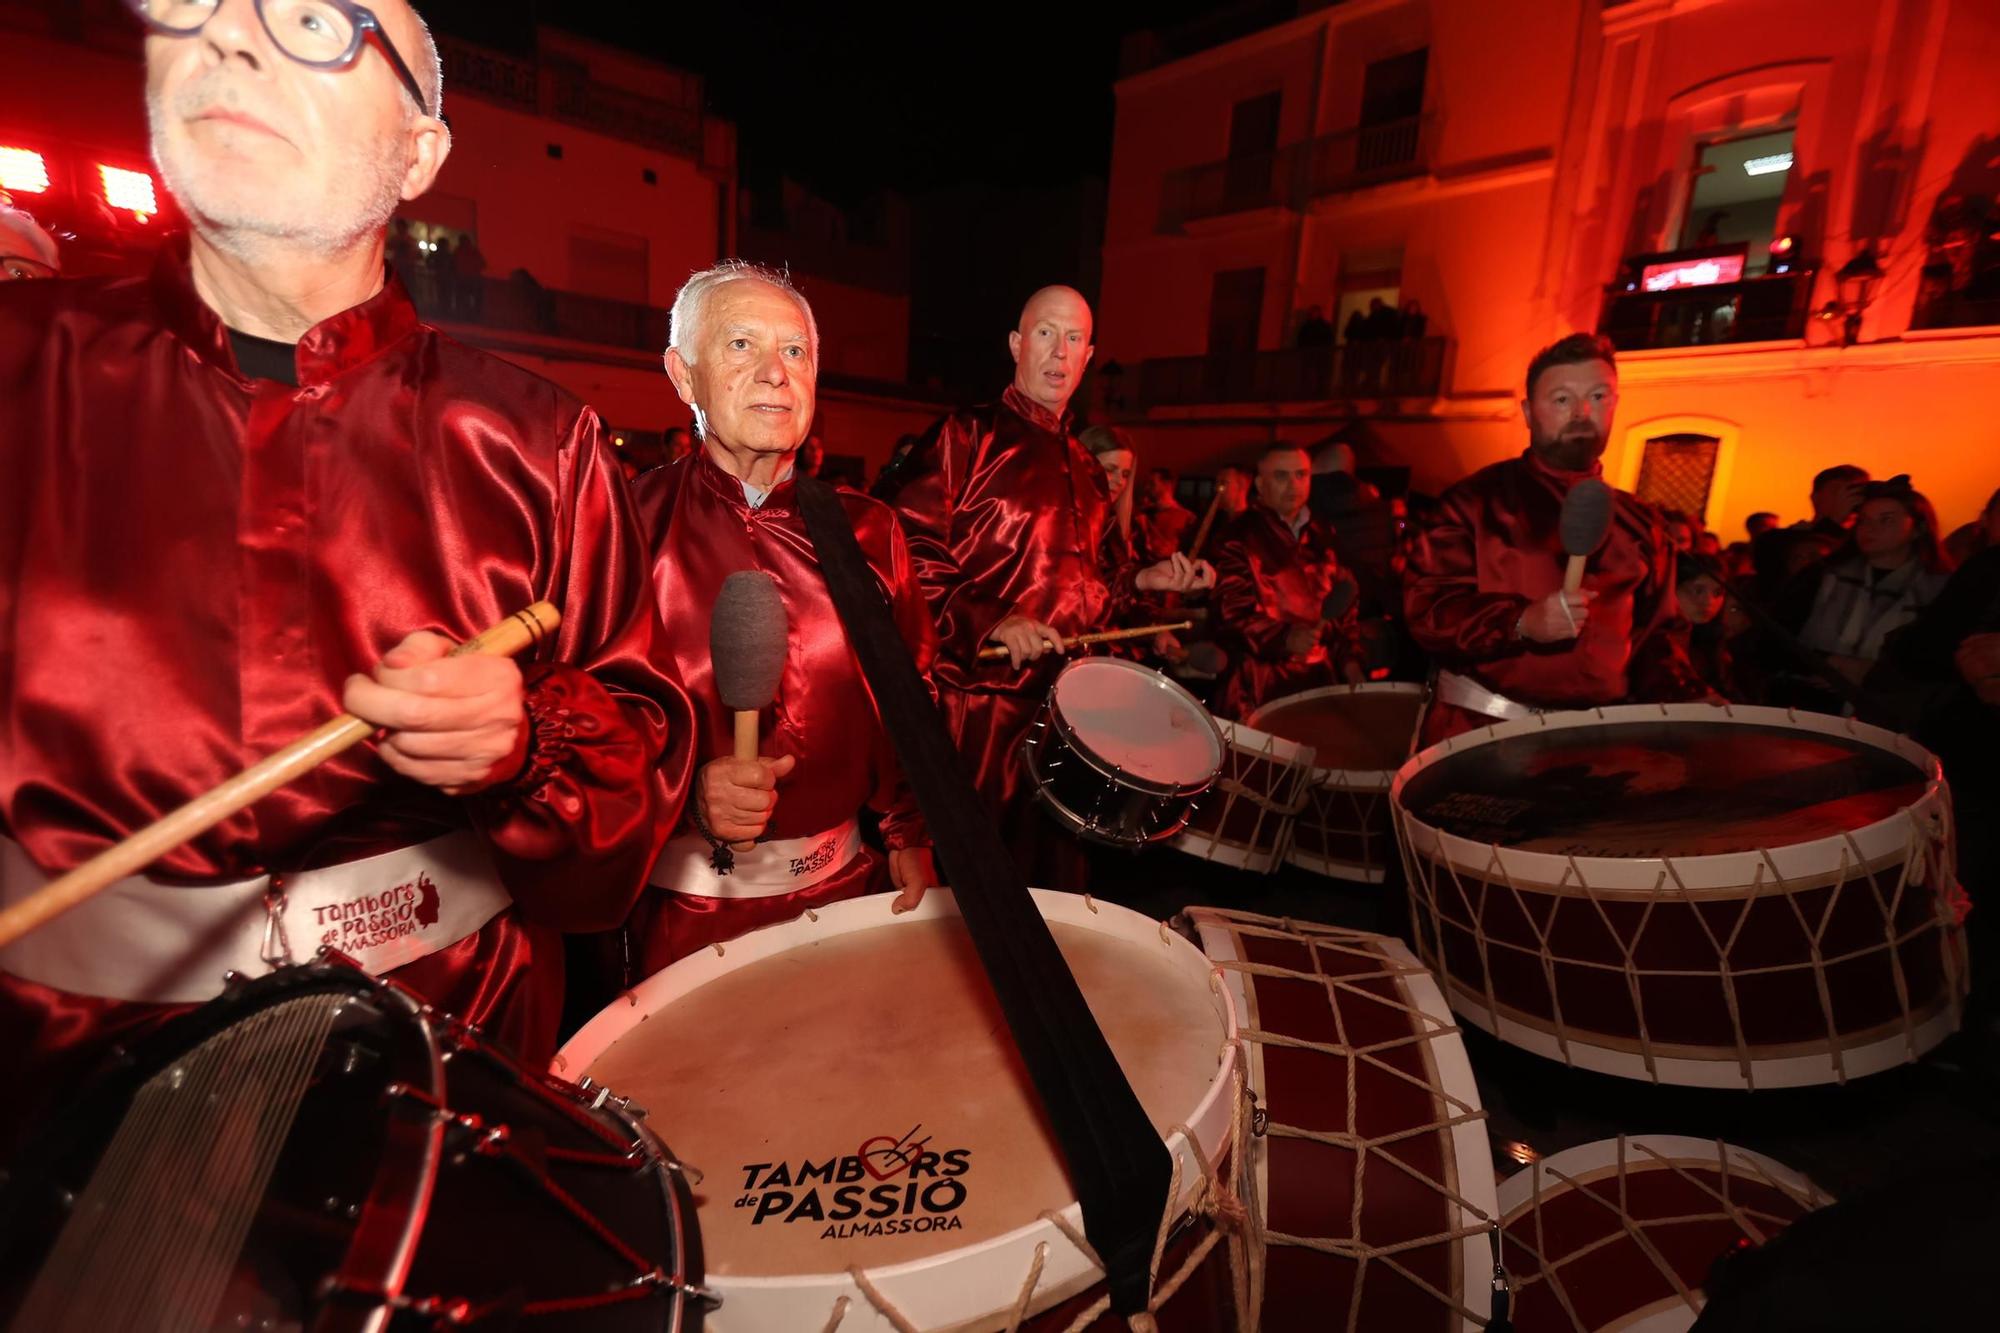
(299, 498)
(1005, 511)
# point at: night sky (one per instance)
(850, 98)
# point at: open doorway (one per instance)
(1738, 186)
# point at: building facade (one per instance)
(1781, 211)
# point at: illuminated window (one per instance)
(22, 171)
(1676, 472)
(129, 190)
(1739, 186)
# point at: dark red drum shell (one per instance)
(1581, 1237)
(1254, 798)
(1398, 1111)
(1878, 968)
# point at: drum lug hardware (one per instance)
(675, 1283)
(1503, 1285)
(401, 1092)
(693, 1175)
(601, 1097)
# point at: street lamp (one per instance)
(1857, 279)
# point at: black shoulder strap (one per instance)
(1115, 1156)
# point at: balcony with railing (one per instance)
(1771, 308)
(1293, 176)
(564, 90)
(1399, 368)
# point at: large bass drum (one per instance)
(1722, 897)
(1360, 735)
(318, 1150)
(875, 1156)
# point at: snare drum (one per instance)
(317, 1149)
(1622, 1233)
(1119, 752)
(873, 1148)
(1736, 897)
(1246, 821)
(1360, 735)
(1372, 1175)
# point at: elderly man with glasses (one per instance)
(252, 489)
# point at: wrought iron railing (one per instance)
(1764, 309)
(1389, 368)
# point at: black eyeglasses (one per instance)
(320, 34)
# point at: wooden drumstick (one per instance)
(997, 652)
(517, 633)
(1207, 522)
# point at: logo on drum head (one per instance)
(916, 1189)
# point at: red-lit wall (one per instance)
(1562, 140)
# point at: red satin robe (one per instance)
(1493, 549)
(1160, 531)
(1005, 512)
(702, 530)
(1267, 581)
(191, 565)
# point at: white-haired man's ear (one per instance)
(681, 375)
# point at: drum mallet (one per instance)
(516, 634)
(1586, 518)
(997, 652)
(748, 634)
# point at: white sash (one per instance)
(162, 943)
(784, 865)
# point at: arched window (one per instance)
(1677, 471)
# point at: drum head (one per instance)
(847, 1085)
(1135, 719)
(1366, 728)
(1646, 788)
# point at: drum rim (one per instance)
(1470, 1145)
(1371, 779)
(1595, 1161)
(1784, 864)
(1517, 1190)
(1065, 1270)
(1104, 767)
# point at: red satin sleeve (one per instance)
(1240, 600)
(1445, 609)
(575, 832)
(931, 479)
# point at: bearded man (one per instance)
(1483, 590)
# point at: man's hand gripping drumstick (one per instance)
(444, 706)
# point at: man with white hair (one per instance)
(744, 355)
(1005, 511)
(251, 490)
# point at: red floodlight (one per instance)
(129, 191)
(22, 171)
